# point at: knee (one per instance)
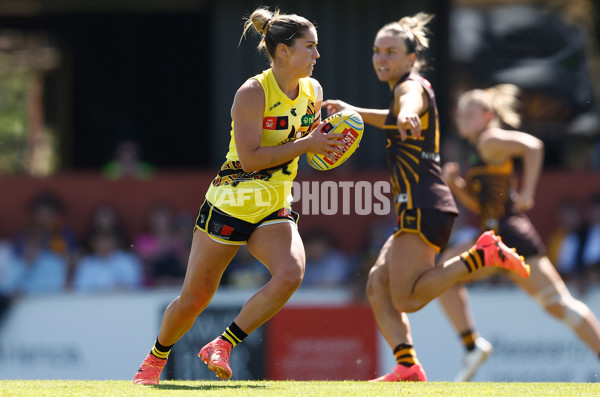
(290, 278)
(192, 304)
(404, 305)
(556, 309)
(375, 284)
(570, 310)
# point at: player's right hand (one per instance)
(323, 143)
(409, 122)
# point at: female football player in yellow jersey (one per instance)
(276, 118)
(486, 190)
(404, 277)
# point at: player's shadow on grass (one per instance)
(223, 385)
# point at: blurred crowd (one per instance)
(45, 256)
(575, 244)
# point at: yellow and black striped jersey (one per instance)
(415, 163)
(491, 184)
(251, 196)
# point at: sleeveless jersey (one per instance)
(415, 163)
(251, 196)
(491, 184)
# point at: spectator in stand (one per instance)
(35, 269)
(565, 243)
(46, 211)
(6, 262)
(161, 248)
(590, 254)
(127, 163)
(184, 223)
(107, 267)
(106, 217)
(326, 266)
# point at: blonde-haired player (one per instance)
(404, 277)
(481, 116)
(273, 122)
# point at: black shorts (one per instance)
(433, 226)
(517, 231)
(226, 229)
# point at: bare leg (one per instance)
(455, 303)
(414, 278)
(207, 262)
(546, 286)
(394, 325)
(279, 247)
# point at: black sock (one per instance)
(161, 351)
(233, 334)
(468, 339)
(405, 355)
(473, 259)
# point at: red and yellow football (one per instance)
(348, 123)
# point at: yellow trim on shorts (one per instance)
(432, 245)
(418, 232)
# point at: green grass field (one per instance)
(291, 388)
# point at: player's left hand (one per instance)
(450, 171)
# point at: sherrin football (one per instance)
(348, 123)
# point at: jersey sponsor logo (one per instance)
(275, 123)
(308, 120)
(226, 230)
(220, 230)
(293, 112)
(430, 156)
(274, 106)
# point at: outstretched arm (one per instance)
(374, 117)
(412, 101)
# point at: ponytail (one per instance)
(275, 28)
(502, 99)
(414, 33)
(505, 103)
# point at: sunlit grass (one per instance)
(291, 388)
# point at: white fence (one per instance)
(106, 336)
